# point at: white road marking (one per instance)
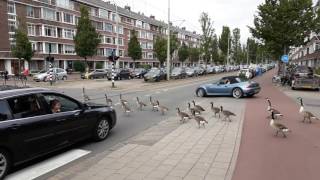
(48, 165)
(147, 95)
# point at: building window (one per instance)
(50, 31)
(100, 52)
(65, 4)
(108, 40)
(11, 8)
(48, 14)
(108, 27)
(69, 33)
(109, 52)
(150, 55)
(11, 17)
(120, 41)
(54, 49)
(30, 11)
(76, 20)
(120, 29)
(46, 1)
(121, 53)
(139, 24)
(68, 18)
(143, 45)
(58, 16)
(103, 13)
(97, 25)
(69, 49)
(31, 30)
(150, 45)
(12, 26)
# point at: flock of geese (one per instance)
(194, 112)
(281, 128)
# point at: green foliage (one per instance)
(194, 54)
(223, 40)
(23, 47)
(236, 45)
(253, 47)
(99, 65)
(183, 52)
(317, 71)
(86, 39)
(215, 49)
(79, 66)
(284, 23)
(207, 35)
(160, 49)
(134, 48)
(145, 66)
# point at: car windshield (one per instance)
(176, 70)
(154, 71)
(240, 79)
(43, 71)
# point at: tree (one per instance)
(160, 49)
(87, 39)
(23, 47)
(194, 54)
(206, 38)
(134, 48)
(223, 41)
(183, 52)
(284, 23)
(253, 46)
(215, 49)
(236, 45)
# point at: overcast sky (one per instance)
(233, 13)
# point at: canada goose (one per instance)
(108, 100)
(140, 104)
(306, 114)
(153, 104)
(123, 100)
(277, 113)
(197, 106)
(196, 111)
(199, 119)
(125, 108)
(226, 114)
(278, 127)
(85, 96)
(215, 110)
(162, 109)
(182, 115)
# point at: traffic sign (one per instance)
(285, 58)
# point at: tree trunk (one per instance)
(134, 64)
(86, 65)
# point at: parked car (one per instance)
(210, 70)
(178, 73)
(139, 72)
(31, 125)
(190, 72)
(120, 74)
(246, 73)
(58, 74)
(200, 71)
(96, 74)
(229, 86)
(155, 74)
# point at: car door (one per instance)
(72, 123)
(218, 88)
(30, 126)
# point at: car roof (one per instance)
(230, 77)
(24, 91)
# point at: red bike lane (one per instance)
(263, 156)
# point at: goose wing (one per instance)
(280, 126)
(183, 114)
(199, 108)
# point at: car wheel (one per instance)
(5, 163)
(101, 130)
(64, 78)
(201, 93)
(237, 93)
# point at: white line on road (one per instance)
(48, 165)
(147, 95)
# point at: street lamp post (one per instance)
(168, 46)
(228, 54)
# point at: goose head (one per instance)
(194, 103)
(221, 108)
(189, 105)
(120, 96)
(137, 99)
(272, 118)
(301, 101)
(178, 109)
(211, 104)
(158, 103)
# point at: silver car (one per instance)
(58, 74)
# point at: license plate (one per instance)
(307, 87)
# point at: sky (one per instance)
(232, 13)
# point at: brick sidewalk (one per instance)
(263, 156)
(185, 153)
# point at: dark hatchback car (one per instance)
(155, 74)
(120, 74)
(29, 128)
(96, 74)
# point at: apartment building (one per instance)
(308, 54)
(52, 23)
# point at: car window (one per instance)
(66, 104)
(25, 106)
(4, 111)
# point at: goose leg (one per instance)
(277, 133)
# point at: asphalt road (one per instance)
(171, 95)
